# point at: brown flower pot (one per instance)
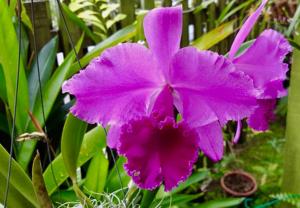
(238, 183)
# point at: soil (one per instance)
(238, 183)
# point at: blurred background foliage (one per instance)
(74, 165)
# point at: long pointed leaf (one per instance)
(3, 95)
(291, 177)
(71, 140)
(97, 172)
(21, 193)
(47, 57)
(93, 142)
(221, 203)
(213, 37)
(9, 62)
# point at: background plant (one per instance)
(82, 169)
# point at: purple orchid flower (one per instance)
(263, 62)
(134, 90)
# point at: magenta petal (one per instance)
(158, 152)
(163, 28)
(263, 62)
(163, 105)
(245, 30)
(274, 89)
(261, 117)
(116, 86)
(207, 89)
(113, 136)
(238, 132)
(211, 141)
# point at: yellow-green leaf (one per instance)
(215, 36)
(21, 193)
(72, 135)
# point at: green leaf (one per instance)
(53, 86)
(139, 25)
(203, 5)
(97, 172)
(12, 6)
(148, 197)
(226, 10)
(221, 203)
(215, 36)
(25, 19)
(294, 44)
(25, 41)
(113, 181)
(9, 62)
(39, 184)
(93, 142)
(71, 140)
(75, 5)
(61, 197)
(194, 178)
(122, 35)
(50, 93)
(3, 95)
(92, 17)
(235, 10)
(294, 22)
(291, 179)
(244, 47)
(47, 57)
(21, 193)
(79, 22)
(177, 199)
(114, 20)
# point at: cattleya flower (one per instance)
(263, 62)
(135, 90)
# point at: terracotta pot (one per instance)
(239, 183)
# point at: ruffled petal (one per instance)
(163, 28)
(263, 62)
(158, 152)
(245, 30)
(117, 86)
(261, 117)
(211, 141)
(207, 89)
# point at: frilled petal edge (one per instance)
(207, 88)
(158, 152)
(117, 86)
(264, 63)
